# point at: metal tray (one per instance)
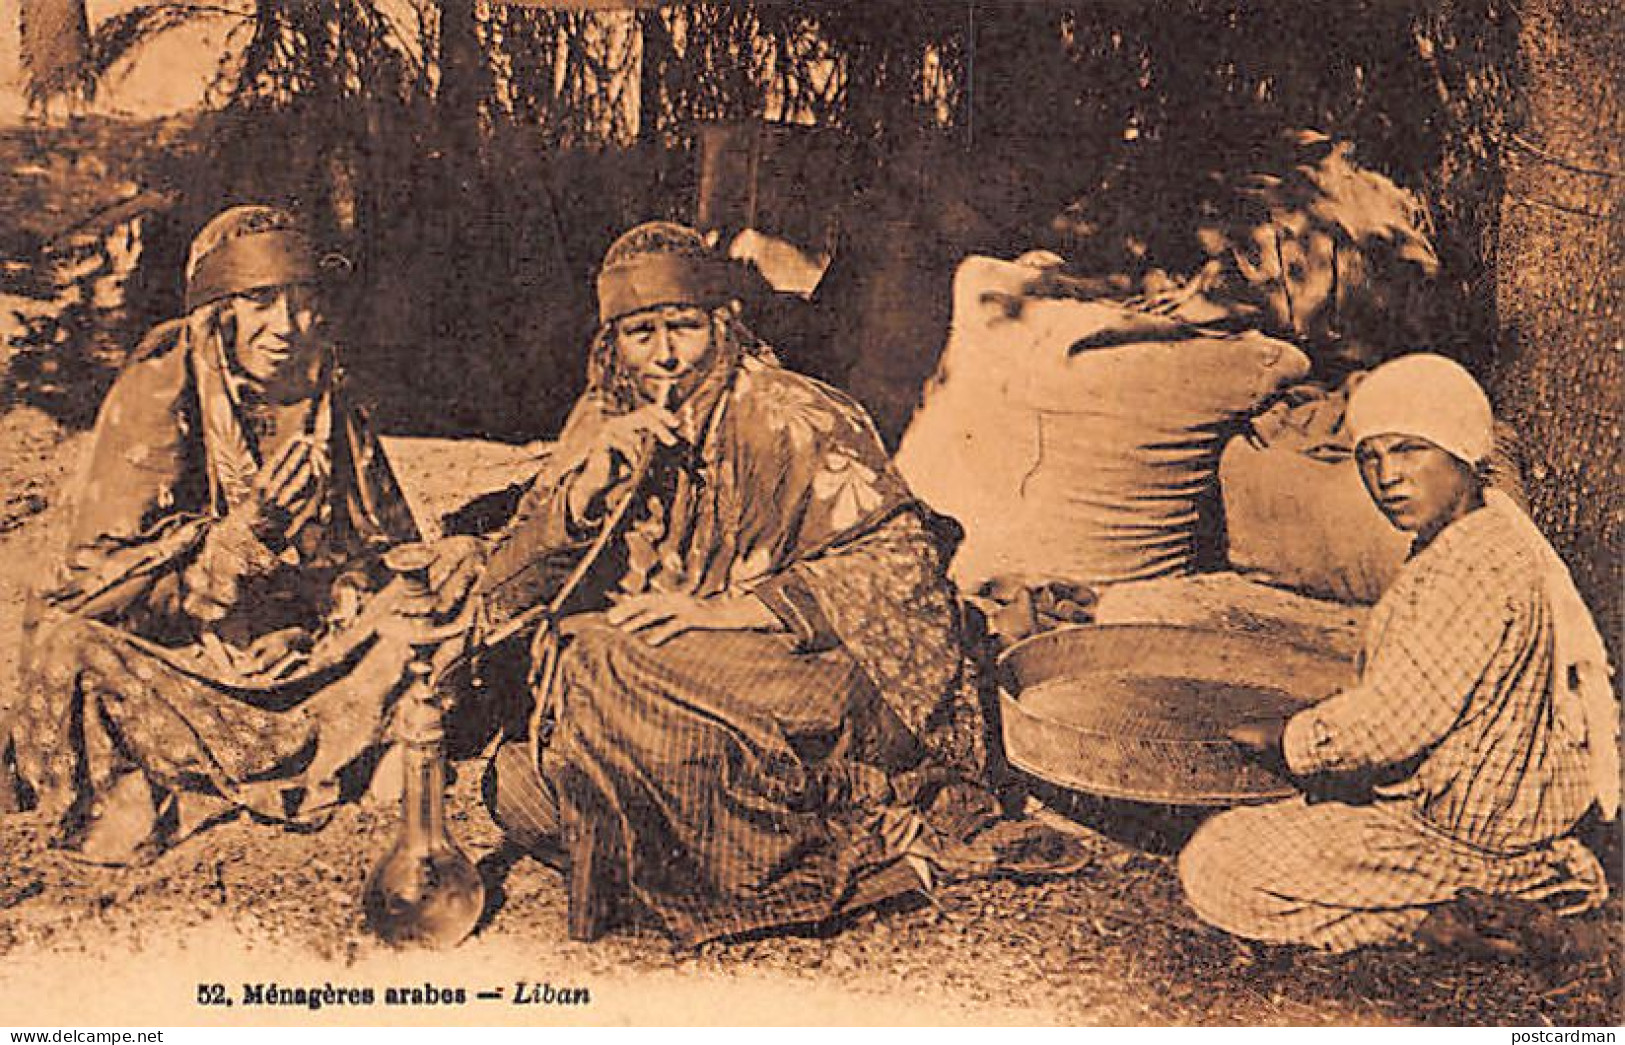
(1139, 711)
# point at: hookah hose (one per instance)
(547, 615)
(545, 674)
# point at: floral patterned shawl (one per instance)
(174, 451)
(783, 489)
(169, 642)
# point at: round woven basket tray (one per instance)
(1139, 711)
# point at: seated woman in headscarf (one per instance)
(758, 707)
(1482, 729)
(211, 640)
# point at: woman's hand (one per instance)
(619, 441)
(456, 566)
(285, 489)
(434, 578)
(659, 617)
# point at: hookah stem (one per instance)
(425, 795)
(423, 762)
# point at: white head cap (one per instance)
(1427, 396)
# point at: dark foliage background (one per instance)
(475, 163)
(473, 159)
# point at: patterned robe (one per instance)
(752, 779)
(1475, 760)
(171, 654)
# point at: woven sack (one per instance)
(1079, 440)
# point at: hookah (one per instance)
(425, 891)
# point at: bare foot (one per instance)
(120, 823)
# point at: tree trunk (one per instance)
(1558, 280)
(462, 79)
(55, 49)
(652, 62)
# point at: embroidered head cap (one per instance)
(660, 263)
(246, 249)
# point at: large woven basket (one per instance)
(1139, 711)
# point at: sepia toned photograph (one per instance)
(811, 512)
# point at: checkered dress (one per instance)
(1472, 767)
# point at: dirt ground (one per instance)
(251, 903)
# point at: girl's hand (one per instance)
(1260, 740)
